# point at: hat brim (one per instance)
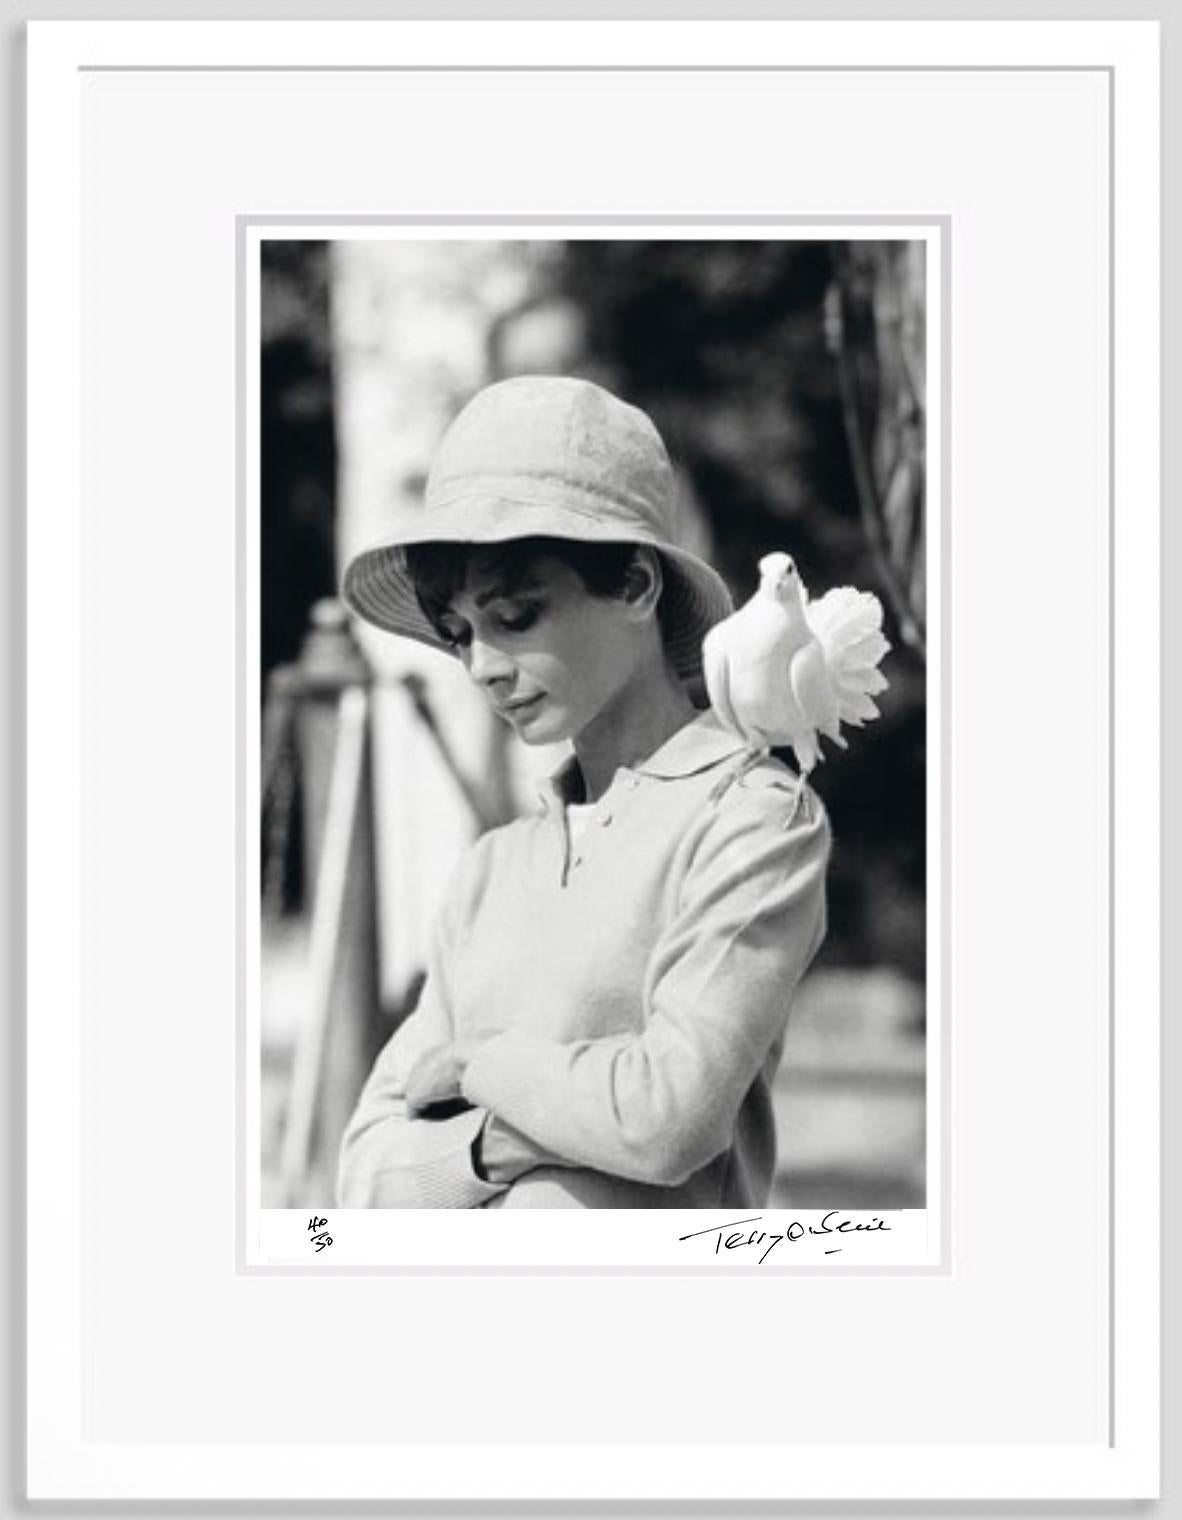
(378, 588)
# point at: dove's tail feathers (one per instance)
(860, 683)
(864, 678)
(865, 652)
(844, 617)
(848, 624)
(857, 708)
(833, 731)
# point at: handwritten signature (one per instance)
(732, 1236)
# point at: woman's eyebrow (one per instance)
(527, 582)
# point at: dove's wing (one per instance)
(848, 625)
(745, 660)
(813, 689)
(716, 670)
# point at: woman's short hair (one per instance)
(440, 569)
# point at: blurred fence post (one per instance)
(331, 665)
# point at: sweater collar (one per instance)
(702, 743)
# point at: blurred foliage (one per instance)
(875, 329)
(298, 462)
(297, 444)
(726, 345)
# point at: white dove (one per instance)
(784, 670)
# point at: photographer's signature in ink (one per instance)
(735, 1236)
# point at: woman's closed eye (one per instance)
(457, 632)
(518, 619)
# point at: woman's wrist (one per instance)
(500, 1153)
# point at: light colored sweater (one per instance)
(634, 989)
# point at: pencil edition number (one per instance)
(320, 1235)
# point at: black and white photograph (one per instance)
(594, 723)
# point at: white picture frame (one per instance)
(148, 145)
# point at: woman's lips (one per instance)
(510, 709)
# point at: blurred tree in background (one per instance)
(298, 457)
(297, 493)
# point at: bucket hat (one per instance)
(548, 456)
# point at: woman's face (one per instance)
(551, 657)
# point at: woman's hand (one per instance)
(435, 1076)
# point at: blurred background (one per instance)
(787, 378)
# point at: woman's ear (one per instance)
(643, 580)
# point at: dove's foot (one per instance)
(750, 759)
(798, 797)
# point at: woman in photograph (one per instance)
(610, 976)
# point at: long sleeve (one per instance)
(657, 1104)
(390, 1159)
(505, 1153)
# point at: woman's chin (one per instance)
(543, 730)
(535, 722)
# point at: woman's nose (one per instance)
(487, 664)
